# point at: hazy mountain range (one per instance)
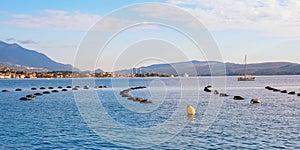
(17, 57)
(203, 68)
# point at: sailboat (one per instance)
(246, 77)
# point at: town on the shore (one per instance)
(7, 73)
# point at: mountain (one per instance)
(98, 71)
(203, 68)
(268, 68)
(14, 54)
(21, 67)
(93, 71)
(17, 57)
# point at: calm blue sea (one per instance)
(102, 119)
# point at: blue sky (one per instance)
(264, 30)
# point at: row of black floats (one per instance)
(281, 91)
(53, 90)
(31, 96)
(125, 93)
(237, 97)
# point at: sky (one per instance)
(264, 30)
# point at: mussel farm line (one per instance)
(44, 91)
(125, 93)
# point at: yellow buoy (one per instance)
(190, 110)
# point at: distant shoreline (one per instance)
(136, 77)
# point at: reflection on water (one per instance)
(191, 119)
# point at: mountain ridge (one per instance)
(15, 54)
(203, 68)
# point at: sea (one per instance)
(101, 118)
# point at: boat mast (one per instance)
(245, 66)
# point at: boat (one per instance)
(246, 77)
(185, 75)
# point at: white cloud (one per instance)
(27, 42)
(63, 20)
(21, 41)
(275, 17)
(10, 39)
(53, 19)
